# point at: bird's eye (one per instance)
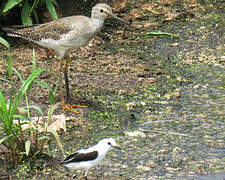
(101, 10)
(109, 143)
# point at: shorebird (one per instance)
(91, 157)
(63, 35)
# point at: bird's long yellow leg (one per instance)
(60, 65)
(68, 106)
(66, 79)
(61, 83)
(60, 80)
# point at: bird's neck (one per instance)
(101, 149)
(97, 24)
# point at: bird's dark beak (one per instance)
(114, 16)
(117, 147)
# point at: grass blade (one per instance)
(10, 4)
(51, 9)
(38, 109)
(34, 6)
(25, 14)
(24, 87)
(18, 75)
(20, 116)
(51, 93)
(44, 84)
(4, 114)
(4, 42)
(160, 34)
(4, 139)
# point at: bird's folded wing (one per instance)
(79, 157)
(53, 30)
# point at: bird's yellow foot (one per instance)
(70, 108)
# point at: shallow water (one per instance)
(188, 142)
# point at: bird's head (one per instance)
(102, 10)
(108, 143)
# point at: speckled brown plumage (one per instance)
(36, 33)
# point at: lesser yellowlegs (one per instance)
(63, 35)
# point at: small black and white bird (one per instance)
(91, 157)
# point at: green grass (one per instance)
(19, 142)
(28, 9)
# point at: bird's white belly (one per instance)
(81, 165)
(63, 45)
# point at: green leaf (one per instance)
(51, 9)
(4, 42)
(51, 94)
(3, 106)
(18, 75)
(55, 3)
(4, 139)
(37, 108)
(34, 6)
(27, 147)
(30, 130)
(35, 16)
(4, 114)
(51, 97)
(24, 88)
(20, 116)
(160, 34)
(29, 87)
(44, 84)
(25, 14)
(10, 4)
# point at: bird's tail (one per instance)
(11, 32)
(14, 31)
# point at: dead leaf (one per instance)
(148, 6)
(168, 2)
(147, 25)
(190, 1)
(133, 14)
(57, 122)
(172, 15)
(137, 25)
(135, 133)
(175, 44)
(117, 5)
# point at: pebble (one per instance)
(135, 133)
(145, 168)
